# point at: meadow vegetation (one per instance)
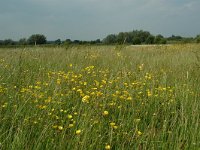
(100, 97)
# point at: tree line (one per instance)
(138, 37)
(135, 37)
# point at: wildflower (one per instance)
(139, 133)
(105, 113)
(85, 99)
(129, 98)
(58, 81)
(69, 116)
(38, 82)
(60, 128)
(99, 93)
(37, 87)
(103, 81)
(4, 105)
(149, 94)
(107, 147)
(78, 132)
(96, 82)
(141, 67)
(55, 127)
(71, 125)
(112, 124)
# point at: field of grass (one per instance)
(100, 97)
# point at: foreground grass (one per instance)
(101, 97)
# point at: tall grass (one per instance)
(100, 97)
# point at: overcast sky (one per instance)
(93, 19)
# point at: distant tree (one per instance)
(143, 35)
(125, 37)
(98, 41)
(136, 41)
(188, 40)
(22, 41)
(110, 39)
(67, 41)
(86, 42)
(163, 41)
(77, 42)
(121, 38)
(58, 41)
(159, 39)
(197, 38)
(8, 42)
(37, 39)
(1, 42)
(129, 37)
(150, 39)
(175, 38)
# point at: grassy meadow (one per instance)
(100, 97)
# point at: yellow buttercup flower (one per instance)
(139, 133)
(71, 125)
(107, 147)
(112, 124)
(60, 128)
(85, 99)
(69, 116)
(78, 132)
(105, 113)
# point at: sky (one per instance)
(95, 19)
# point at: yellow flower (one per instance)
(85, 99)
(139, 133)
(58, 81)
(129, 98)
(71, 125)
(103, 81)
(112, 124)
(105, 113)
(149, 93)
(107, 147)
(60, 128)
(5, 105)
(55, 126)
(78, 132)
(69, 116)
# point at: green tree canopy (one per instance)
(22, 41)
(37, 39)
(110, 39)
(150, 39)
(198, 38)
